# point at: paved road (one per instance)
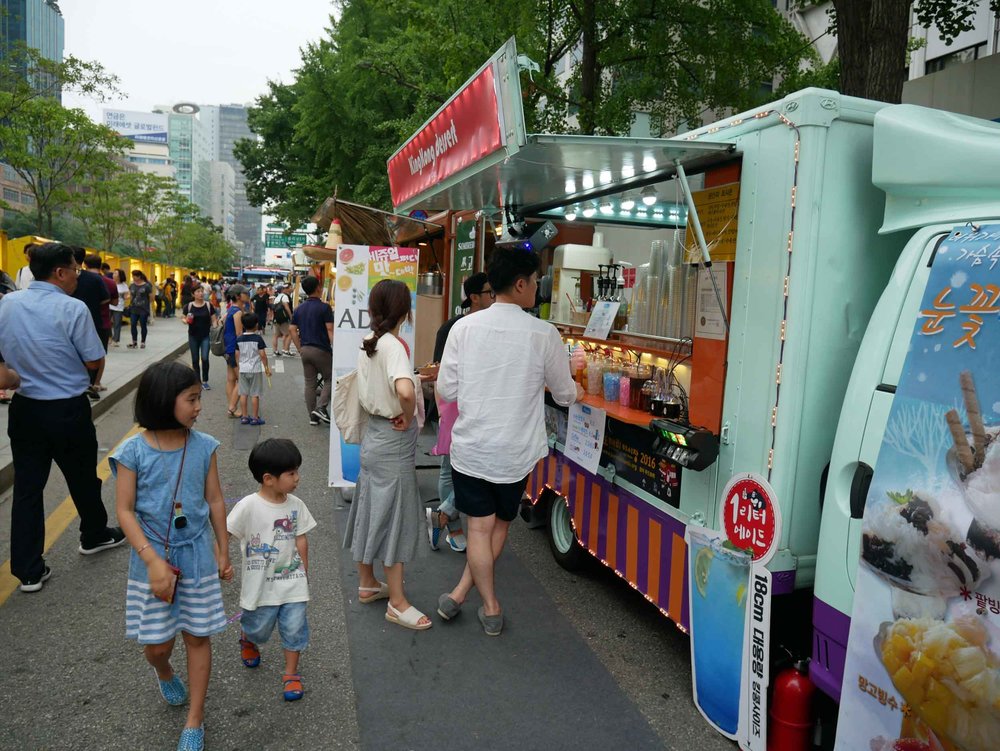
(584, 662)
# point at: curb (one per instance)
(98, 408)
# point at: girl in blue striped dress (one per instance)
(169, 506)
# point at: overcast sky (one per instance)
(202, 51)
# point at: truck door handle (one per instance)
(859, 489)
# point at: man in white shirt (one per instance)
(497, 365)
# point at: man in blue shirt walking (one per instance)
(50, 340)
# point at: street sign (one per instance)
(281, 240)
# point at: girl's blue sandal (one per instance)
(192, 739)
(293, 687)
(174, 692)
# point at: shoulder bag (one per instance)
(348, 414)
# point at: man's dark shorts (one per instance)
(476, 497)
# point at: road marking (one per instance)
(278, 366)
(56, 523)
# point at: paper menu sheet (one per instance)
(585, 436)
(602, 318)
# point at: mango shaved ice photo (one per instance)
(947, 675)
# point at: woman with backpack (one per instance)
(200, 318)
(282, 317)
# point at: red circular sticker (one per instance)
(750, 517)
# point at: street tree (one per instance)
(149, 200)
(873, 38)
(106, 205)
(385, 66)
(25, 75)
(51, 148)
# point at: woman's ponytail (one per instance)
(388, 304)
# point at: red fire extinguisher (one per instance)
(792, 716)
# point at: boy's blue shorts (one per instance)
(291, 621)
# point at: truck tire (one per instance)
(566, 548)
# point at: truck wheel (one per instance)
(566, 549)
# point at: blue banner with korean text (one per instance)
(923, 663)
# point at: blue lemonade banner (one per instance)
(923, 663)
(359, 268)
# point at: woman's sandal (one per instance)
(233, 413)
(409, 618)
(292, 686)
(133, 345)
(374, 593)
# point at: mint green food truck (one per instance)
(837, 206)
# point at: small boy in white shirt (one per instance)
(252, 360)
(271, 524)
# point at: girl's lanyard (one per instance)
(176, 507)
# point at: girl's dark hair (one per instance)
(274, 456)
(508, 265)
(388, 303)
(119, 275)
(140, 274)
(157, 393)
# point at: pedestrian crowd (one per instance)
(496, 362)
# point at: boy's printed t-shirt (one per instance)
(272, 568)
(250, 346)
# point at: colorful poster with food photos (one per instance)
(359, 269)
(923, 662)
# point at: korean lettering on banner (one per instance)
(923, 658)
(751, 520)
(359, 268)
(463, 260)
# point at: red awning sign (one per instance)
(464, 131)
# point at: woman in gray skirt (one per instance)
(386, 521)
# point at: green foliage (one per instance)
(51, 147)
(385, 66)
(184, 237)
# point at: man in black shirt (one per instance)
(478, 296)
(261, 303)
(91, 290)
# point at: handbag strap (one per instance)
(173, 499)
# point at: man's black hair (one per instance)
(273, 456)
(249, 321)
(79, 253)
(92, 261)
(508, 265)
(45, 258)
(157, 394)
(309, 284)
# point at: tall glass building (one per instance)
(232, 125)
(36, 23)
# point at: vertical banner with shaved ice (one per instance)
(359, 268)
(923, 662)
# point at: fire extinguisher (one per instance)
(792, 711)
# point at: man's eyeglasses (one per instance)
(75, 269)
(486, 292)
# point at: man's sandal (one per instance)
(409, 618)
(293, 686)
(249, 653)
(380, 592)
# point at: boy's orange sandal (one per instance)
(249, 653)
(292, 687)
